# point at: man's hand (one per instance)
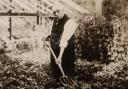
(60, 55)
(59, 61)
(47, 38)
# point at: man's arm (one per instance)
(69, 30)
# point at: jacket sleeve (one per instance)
(69, 29)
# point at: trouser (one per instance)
(67, 61)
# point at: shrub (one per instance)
(93, 37)
(102, 52)
(19, 74)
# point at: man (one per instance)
(61, 41)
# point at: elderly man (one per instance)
(61, 41)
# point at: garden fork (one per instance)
(65, 80)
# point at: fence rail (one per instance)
(18, 14)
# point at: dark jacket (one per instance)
(57, 30)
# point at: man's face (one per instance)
(59, 13)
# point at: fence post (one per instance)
(38, 17)
(98, 6)
(10, 24)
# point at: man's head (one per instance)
(58, 11)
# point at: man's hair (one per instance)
(57, 7)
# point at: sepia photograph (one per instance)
(63, 44)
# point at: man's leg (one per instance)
(68, 61)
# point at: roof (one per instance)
(41, 6)
(25, 6)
